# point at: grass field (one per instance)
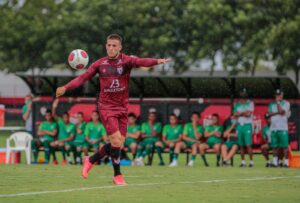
(48, 183)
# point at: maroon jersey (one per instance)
(114, 75)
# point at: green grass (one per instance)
(165, 184)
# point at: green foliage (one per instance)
(42, 33)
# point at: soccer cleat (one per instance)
(139, 161)
(285, 166)
(119, 180)
(274, 165)
(173, 164)
(161, 163)
(242, 165)
(64, 162)
(191, 163)
(87, 165)
(54, 162)
(268, 165)
(251, 165)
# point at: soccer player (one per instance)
(192, 132)
(46, 133)
(79, 139)
(230, 146)
(95, 135)
(150, 133)
(133, 134)
(213, 133)
(66, 133)
(243, 112)
(27, 113)
(266, 134)
(114, 73)
(279, 111)
(171, 135)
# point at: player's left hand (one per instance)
(163, 61)
(60, 91)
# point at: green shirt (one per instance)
(80, 137)
(49, 126)
(65, 130)
(172, 133)
(266, 133)
(212, 128)
(94, 131)
(133, 129)
(189, 130)
(147, 130)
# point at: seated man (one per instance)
(46, 133)
(150, 133)
(95, 135)
(66, 133)
(213, 134)
(230, 146)
(192, 133)
(79, 139)
(170, 136)
(133, 134)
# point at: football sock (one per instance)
(104, 151)
(52, 150)
(34, 151)
(115, 158)
(47, 151)
(63, 152)
(286, 162)
(243, 162)
(159, 151)
(218, 158)
(193, 157)
(275, 160)
(204, 159)
(175, 157)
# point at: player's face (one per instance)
(80, 117)
(131, 120)
(215, 120)
(278, 97)
(113, 48)
(152, 117)
(95, 117)
(195, 118)
(65, 118)
(173, 120)
(48, 117)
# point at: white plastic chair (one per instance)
(22, 143)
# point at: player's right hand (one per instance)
(60, 91)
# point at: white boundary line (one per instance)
(146, 184)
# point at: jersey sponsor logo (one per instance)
(115, 87)
(119, 61)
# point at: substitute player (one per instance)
(243, 112)
(79, 139)
(266, 135)
(192, 132)
(150, 133)
(114, 73)
(171, 135)
(133, 134)
(279, 111)
(66, 133)
(230, 146)
(95, 135)
(213, 133)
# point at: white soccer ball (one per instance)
(78, 59)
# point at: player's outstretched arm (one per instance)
(76, 82)
(148, 62)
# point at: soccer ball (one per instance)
(78, 59)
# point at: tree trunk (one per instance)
(254, 65)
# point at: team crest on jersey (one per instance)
(105, 62)
(120, 70)
(119, 61)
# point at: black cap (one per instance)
(278, 92)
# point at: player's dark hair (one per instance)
(132, 115)
(48, 111)
(114, 36)
(215, 115)
(172, 114)
(196, 113)
(95, 112)
(66, 113)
